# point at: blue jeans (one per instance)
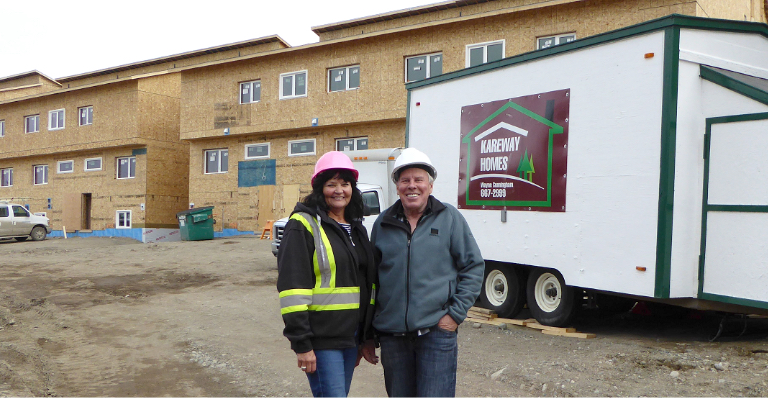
(334, 372)
(423, 366)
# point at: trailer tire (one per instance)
(551, 301)
(503, 290)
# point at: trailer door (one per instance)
(734, 252)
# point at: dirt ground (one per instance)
(115, 317)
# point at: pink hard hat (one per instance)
(334, 160)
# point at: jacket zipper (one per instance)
(408, 283)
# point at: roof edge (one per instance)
(29, 73)
(184, 55)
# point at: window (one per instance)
(4, 212)
(257, 151)
(2, 128)
(371, 200)
(346, 78)
(216, 161)
(6, 177)
(351, 144)
(478, 54)
(250, 92)
(32, 124)
(56, 119)
(86, 115)
(19, 211)
(550, 41)
(65, 166)
(423, 66)
(92, 164)
(126, 167)
(293, 85)
(41, 174)
(301, 147)
(123, 219)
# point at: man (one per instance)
(430, 274)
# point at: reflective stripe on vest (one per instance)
(322, 259)
(373, 293)
(325, 296)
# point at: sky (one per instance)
(61, 38)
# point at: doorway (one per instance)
(86, 212)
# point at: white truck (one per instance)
(17, 222)
(626, 166)
(375, 167)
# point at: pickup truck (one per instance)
(17, 222)
(375, 167)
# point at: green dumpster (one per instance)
(196, 224)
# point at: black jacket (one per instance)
(336, 329)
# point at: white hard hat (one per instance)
(412, 157)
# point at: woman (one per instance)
(326, 278)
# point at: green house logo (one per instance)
(514, 153)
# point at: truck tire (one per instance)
(551, 301)
(38, 233)
(503, 290)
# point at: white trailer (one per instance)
(632, 164)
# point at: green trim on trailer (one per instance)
(407, 117)
(706, 207)
(674, 20)
(733, 84)
(733, 300)
(667, 166)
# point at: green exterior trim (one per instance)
(738, 208)
(706, 208)
(733, 84)
(734, 300)
(407, 118)
(675, 20)
(667, 167)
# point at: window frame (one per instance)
(34, 174)
(2, 128)
(60, 162)
(429, 65)
(269, 151)
(557, 39)
(3, 179)
(347, 74)
(89, 115)
(314, 147)
(60, 121)
(37, 123)
(219, 151)
(294, 74)
(85, 164)
(127, 218)
(251, 91)
(117, 167)
(355, 140)
(484, 46)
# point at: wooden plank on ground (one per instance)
(482, 310)
(517, 322)
(569, 334)
(536, 325)
(486, 321)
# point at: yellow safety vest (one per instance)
(325, 296)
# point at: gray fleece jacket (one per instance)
(437, 270)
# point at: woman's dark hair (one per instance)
(316, 199)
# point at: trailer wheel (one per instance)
(503, 290)
(551, 301)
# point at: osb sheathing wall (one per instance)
(108, 193)
(240, 207)
(741, 10)
(131, 118)
(114, 121)
(26, 86)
